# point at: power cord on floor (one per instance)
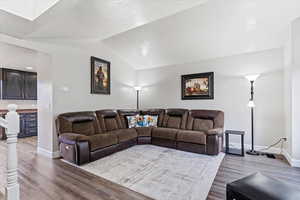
(282, 140)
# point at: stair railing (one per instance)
(11, 123)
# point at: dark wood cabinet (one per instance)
(12, 84)
(28, 125)
(18, 85)
(30, 86)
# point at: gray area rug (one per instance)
(159, 173)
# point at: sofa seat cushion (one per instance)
(100, 141)
(196, 137)
(144, 131)
(164, 133)
(125, 134)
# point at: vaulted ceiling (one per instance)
(154, 33)
(218, 28)
(29, 9)
(93, 19)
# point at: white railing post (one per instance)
(12, 190)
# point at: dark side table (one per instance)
(234, 151)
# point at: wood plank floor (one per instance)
(234, 167)
(42, 178)
(47, 179)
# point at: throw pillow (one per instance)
(135, 121)
(150, 120)
(139, 121)
(131, 121)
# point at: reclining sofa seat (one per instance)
(110, 122)
(88, 136)
(80, 137)
(204, 132)
(124, 113)
(144, 133)
(173, 121)
(155, 112)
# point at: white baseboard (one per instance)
(293, 162)
(48, 154)
(257, 148)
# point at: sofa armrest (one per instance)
(214, 141)
(215, 131)
(75, 148)
(72, 138)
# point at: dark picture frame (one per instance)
(197, 86)
(100, 76)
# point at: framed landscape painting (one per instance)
(197, 86)
(100, 76)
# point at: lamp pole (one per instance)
(252, 151)
(138, 89)
(137, 99)
(252, 116)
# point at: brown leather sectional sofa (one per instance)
(88, 136)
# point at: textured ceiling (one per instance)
(101, 19)
(29, 9)
(218, 28)
(154, 33)
(86, 20)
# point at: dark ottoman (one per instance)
(260, 187)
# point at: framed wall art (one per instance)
(100, 76)
(197, 86)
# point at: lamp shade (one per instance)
(137, 88)
(252, 77)
(251, 104)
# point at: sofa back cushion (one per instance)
(202, 124)
(155, 112)
(124, 113)
(174, 122)
(85, 128)
(109, 120)
(111, 123)
(84, 123)
(203, 120)
(175, 118)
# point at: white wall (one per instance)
(71, 69)
(15, 57)
(62, 66)
(162, 88)
(288, 61)
(295, 88)
(46, 128)
(292, 93)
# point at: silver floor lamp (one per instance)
(138, 89)
(252, 79)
